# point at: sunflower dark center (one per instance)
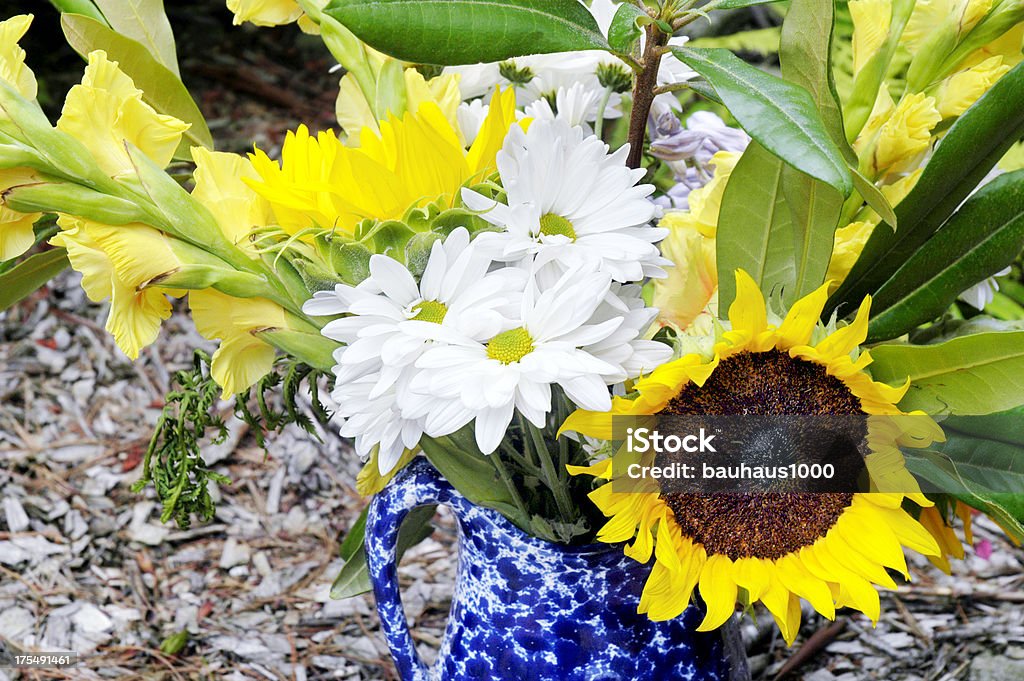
(768, 525)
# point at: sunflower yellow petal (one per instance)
(802, 318)
(747, 312)
(718, 590)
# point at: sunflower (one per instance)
(828, 548)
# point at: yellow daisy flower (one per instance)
(416, 160)
(828, 548)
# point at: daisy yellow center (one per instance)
(430, 311)
(556, 225)
(510, 346)
(774, 524)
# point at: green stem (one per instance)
(601, 106)
(510, 484)
(550, 475)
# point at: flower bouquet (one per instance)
(541, 227)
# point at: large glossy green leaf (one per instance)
(754, 226)
(469, 31)
(968, 151)
(354, 577)
(161, 88)
(983, 237)
(145, 22)
(738, 4)
(981, 373)
(780, 115)
(30, 274)
(805, 55)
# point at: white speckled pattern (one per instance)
(527, 609)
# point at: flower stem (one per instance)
(510, 484)
(643, 94)
(551, 478)
(601, 106)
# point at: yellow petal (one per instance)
(843, 341)
(800, 321)
(106, 110)
(12, 57)
(265, 12)
(221, 188)
(500, 117)
(747, 313)
(718, 590)
(16, 235)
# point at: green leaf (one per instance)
(754, 226)
(981, 373)
(161, 88)
(83, 7)
(625, 29)
(874, 197)
(815, 207)
(984, 236)
(778, 114)
(145, 22)
(968, 151)
(30, 274)
(469, 31)
(460, 461)
(354, 577)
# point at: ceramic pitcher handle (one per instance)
(418, 484)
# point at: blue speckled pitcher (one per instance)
(530, 610)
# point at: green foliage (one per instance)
(968, 151)
(626, 27)
(161, 87)
(263, 417)
(173, 463)
(755, 226)
(145, 22)
(780, 115)
(469, 31)
(981, 464)
(354, 577)
(175, 643)
(983, 237)
(805, 54)
(29, 275)
(979, 373)
(84, 7)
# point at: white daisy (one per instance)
(569, 202)
(576, 105)
(983, 293)
(558, 340)
(376, 365)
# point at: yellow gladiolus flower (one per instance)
(416, 160)
(220, 186)
(904, 135)
(958, 92)
(264, 12)
(930, 16)
(686, 295)
(16, 234)
(119, 263)
(12, 57)
(106, 110)
(871, 20)
(242, 358)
